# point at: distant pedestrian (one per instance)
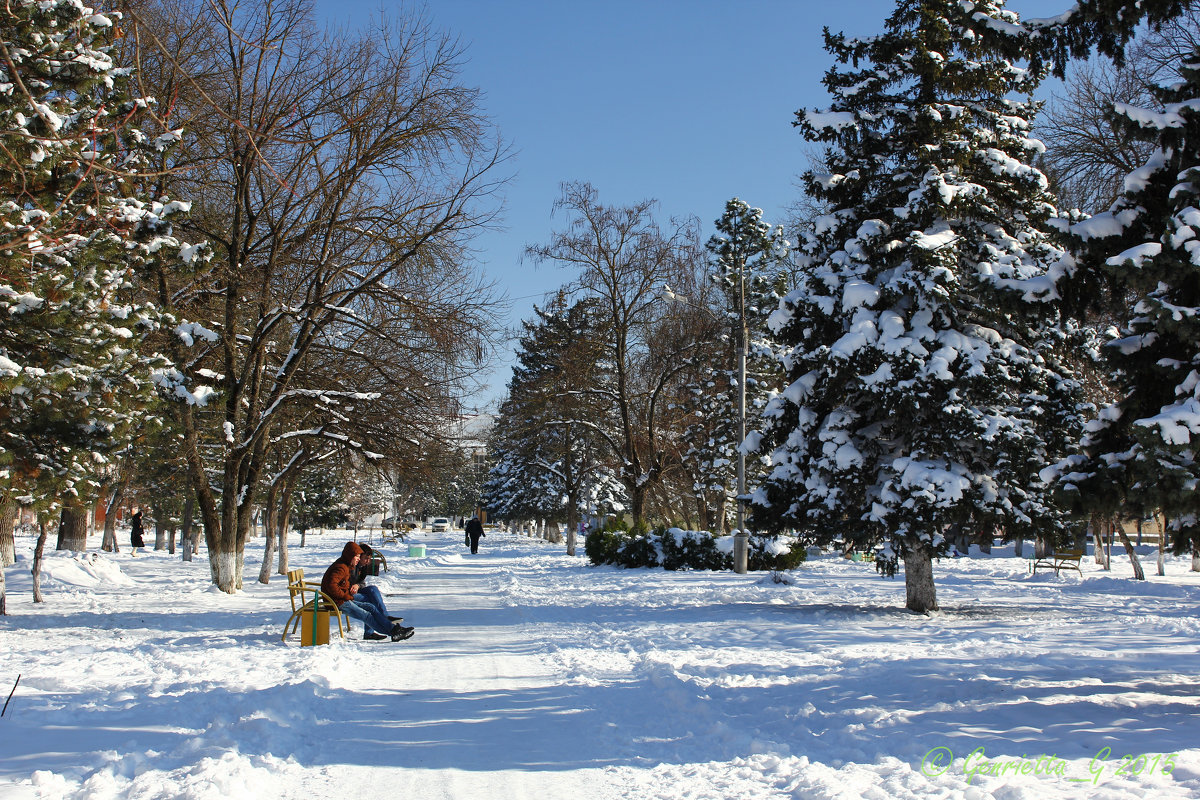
(136, 531)
(474, 531)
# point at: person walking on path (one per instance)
(474, 531)
(336, 582)
(135, 531)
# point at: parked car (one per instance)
(439, 525)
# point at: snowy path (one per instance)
(533, 675)
(481, 712)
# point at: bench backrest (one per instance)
(1069, 555)
(296, 587)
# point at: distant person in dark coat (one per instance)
(474, 531)
(135, 531)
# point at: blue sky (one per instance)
(689, 102)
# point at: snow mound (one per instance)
(89, 570)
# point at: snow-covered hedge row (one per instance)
(676, 549)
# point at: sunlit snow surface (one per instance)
(533, 675)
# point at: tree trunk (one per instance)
(189, 544)
(171, 533)
(920, 592)
(160, 530)
(8, 545)
(1098, 542)
(1019, 546)
(72, 528)
(637, 503)
(108, 543)
(227, 544)
(283, 525)
(8, 523)
(1138, 573)
(269, 516)
(268, 560)
(1161, 521)
(1041, 546)
(985, 540)
(37, 562)
(1195, 559)
(572, 521)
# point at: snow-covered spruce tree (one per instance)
(749, 263)
(75, 238)
(1143, 449)
(550, 458)
(921, 391)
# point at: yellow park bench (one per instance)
(1067, 559)
(311, 609)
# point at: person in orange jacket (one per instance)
(336, 583)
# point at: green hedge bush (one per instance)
(676, 549)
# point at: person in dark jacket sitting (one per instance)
(336, 582)
(371, 593)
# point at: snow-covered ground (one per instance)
(533, 675)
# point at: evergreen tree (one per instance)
(1142, 451)
(77, 237)
(547, 450)
(748, 258)
(320, 500)
(922, 391)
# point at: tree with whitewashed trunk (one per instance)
(341, 176)
(922, 386)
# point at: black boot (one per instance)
(373, 637)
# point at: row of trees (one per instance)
(620, 400)
(952, 351)
(261, 273)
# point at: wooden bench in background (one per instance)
(311, 609)
(1067, 559)
(377, 561)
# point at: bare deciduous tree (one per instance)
(1087, 155)
(625, 260)
(338, 178)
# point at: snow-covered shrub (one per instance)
(775, 552)
(691, 550)
(616, 544)
(677, 549)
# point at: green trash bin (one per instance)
(416, 551)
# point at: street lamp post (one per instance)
(741, 539)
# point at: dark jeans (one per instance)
(368, 614)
